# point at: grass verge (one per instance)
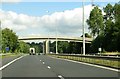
(9, 55)
(99, 61)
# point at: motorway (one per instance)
(42, 66)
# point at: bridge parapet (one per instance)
(75, 39)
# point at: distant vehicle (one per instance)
(51, 52)
(38, 53)
(32, 51)
(41, 54)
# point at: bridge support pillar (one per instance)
(46, 47)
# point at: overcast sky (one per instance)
(42, 18)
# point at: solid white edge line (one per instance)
(1, 68)
(117, 70)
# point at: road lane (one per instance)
(28, 66)
(33, 66)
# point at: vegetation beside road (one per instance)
(99, 61)
(10, 55)
(105, 27)
(11, 44)
(111, 53)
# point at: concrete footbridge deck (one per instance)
(74, 39)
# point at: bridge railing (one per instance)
(98, 60)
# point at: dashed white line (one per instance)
(43, 62)
(40, 60)
(48, 67)
(1, 68)
(61, 77)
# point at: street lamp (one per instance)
(83, 28)
(56, 42)
(48, 39)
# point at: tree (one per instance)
(87, 35)
(109, 37)
(97, 43)
(117, 12)
(112, 27)
(52, 46)
(109, 12)
(23, 47)
(95, 21)
(9, 39)
(63, 46)
(117, 24)
(60, 45)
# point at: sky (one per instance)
(44, 18)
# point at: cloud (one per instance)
(67, 22)
(16, 21)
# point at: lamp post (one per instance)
(43, 48)
(83, 28)
(56, 42)
(48, 50)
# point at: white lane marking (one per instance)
(103, 67)
(40, 60)
(43, 62)
(48, 67)
(1, 68)
(61, 77)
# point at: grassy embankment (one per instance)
(111, 53)
(99, 61)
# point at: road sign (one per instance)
(7, 49)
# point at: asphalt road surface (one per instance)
(42, 66)
(8, 59)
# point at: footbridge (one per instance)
(74, 39)
(46, 40)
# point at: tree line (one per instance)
(105, 27)
(69, 47)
